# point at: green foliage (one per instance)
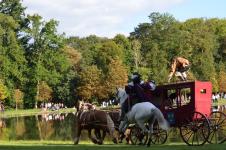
(45, 54)
(12, 59)
(14, 9)
(116, 77)
(90, 83)
(45, 92)
(109, 50)
(18, 97)
(125, 45)
(3, 91)
(65, 90)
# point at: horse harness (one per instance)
(89, 118)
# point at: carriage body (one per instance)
(178, 101)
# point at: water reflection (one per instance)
(42, 127)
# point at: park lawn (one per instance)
(67, 145)
(220, 102)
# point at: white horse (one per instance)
(140, 114)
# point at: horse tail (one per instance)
(161, 120)
(110, 124)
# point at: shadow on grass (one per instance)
(111, 147)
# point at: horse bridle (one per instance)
(116, 95)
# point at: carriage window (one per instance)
(185, 95)
(178, 97)
(203, 91)
(170, 102)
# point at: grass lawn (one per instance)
(220, 102)
(67, 145)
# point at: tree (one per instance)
(45, 92)
(73, 55)
(108, 51)
(3, 91)
(136, 53)
(116, 77)
(156, 60)
(45, 55)
(15, 9)
(125, 45)
(12, 60)
(90, 83)
(222, 77)
(204, 46)
(18, 96)
(157, 40)
(64, 91)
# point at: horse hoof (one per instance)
(76, 142)
(115, 141)
(95, 141)
(99, 142)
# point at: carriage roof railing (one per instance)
(180, 82)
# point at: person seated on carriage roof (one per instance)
(179, 67)
(136, 91)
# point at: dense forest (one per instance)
(37, 64)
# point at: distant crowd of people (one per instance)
(109, 103)
(52, 106)
(49, 117)
(218, 95)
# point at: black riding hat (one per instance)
(136, 77)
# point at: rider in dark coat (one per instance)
(136, 91)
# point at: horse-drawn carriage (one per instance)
(186, 105)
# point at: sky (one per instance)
(107, 18)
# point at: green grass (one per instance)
(29, 112)
(67, 145)
(220, 102)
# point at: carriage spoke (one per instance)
(218, 122)
(197, 131)
(193, 139)
(189, 131)
(211, 135)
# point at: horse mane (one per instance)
(122, 93)
(110, 124)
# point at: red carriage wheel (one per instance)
(217, 127)
(195, 130)
(137, 136)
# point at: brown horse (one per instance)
(97, 120)
(115, 116)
